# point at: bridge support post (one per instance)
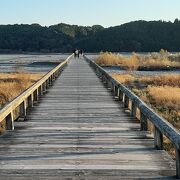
(126, 101)
(47, 83)
(133, 109)
(102, 78)
(50, 81)
(112, 87)
(177, 162)
(53, 77)
(105, 81)
(10, 122)
(120, 95)
(35, 94)
(56, 75)
(144, 122)
(23, 111)
(100, 74)
(30, 101)
(115, 91)
(40, 91)
(44, 87)
(158, 139)
(109, 85)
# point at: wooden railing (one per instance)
(19, 106)
(132, 102)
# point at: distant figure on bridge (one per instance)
(81, 51)
(76, 53)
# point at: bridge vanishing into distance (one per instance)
(83, 125)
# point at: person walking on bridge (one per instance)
(77, 53)
(74, 52)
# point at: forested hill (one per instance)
(133, 36)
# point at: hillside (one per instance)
(133, 36)
(136, 36)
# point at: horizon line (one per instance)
(80, 25)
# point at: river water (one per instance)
(45, 62)
(30, 63)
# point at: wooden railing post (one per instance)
(44, 87)
(109, 85)
(30, 101)
(120, 94)
(47, 83)
(40, 90)
(177, 162)
(53, 77)
(133, 109)
(35, 95)
(105, 81)
(158, 139)
(143, 121)
(50, 81)
(10, 122)
(23, 108)
(56, 74)
(103, 78)
(126, 101)
(115, 91)
(98, 73)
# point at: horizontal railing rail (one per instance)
(161, 126)
(18, 107)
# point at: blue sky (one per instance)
(87, 12)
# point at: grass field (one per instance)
(136, 62)
(12, 84)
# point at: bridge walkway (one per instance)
(79, 131)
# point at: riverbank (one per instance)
(138, 62)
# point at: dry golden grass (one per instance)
(110, 59)
(166, 96)
(158, 63)
(134, 62)
(124, 78)
(162, 80)
(12, 84)
(157, 80)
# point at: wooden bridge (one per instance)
(79, 127)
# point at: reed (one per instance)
(136, 62)
(13, 84)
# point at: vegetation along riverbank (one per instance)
(151, 62)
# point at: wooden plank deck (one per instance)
(78, 131)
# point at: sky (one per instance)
(87, 12)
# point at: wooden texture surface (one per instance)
(78, 131)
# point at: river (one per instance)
(45, 62)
